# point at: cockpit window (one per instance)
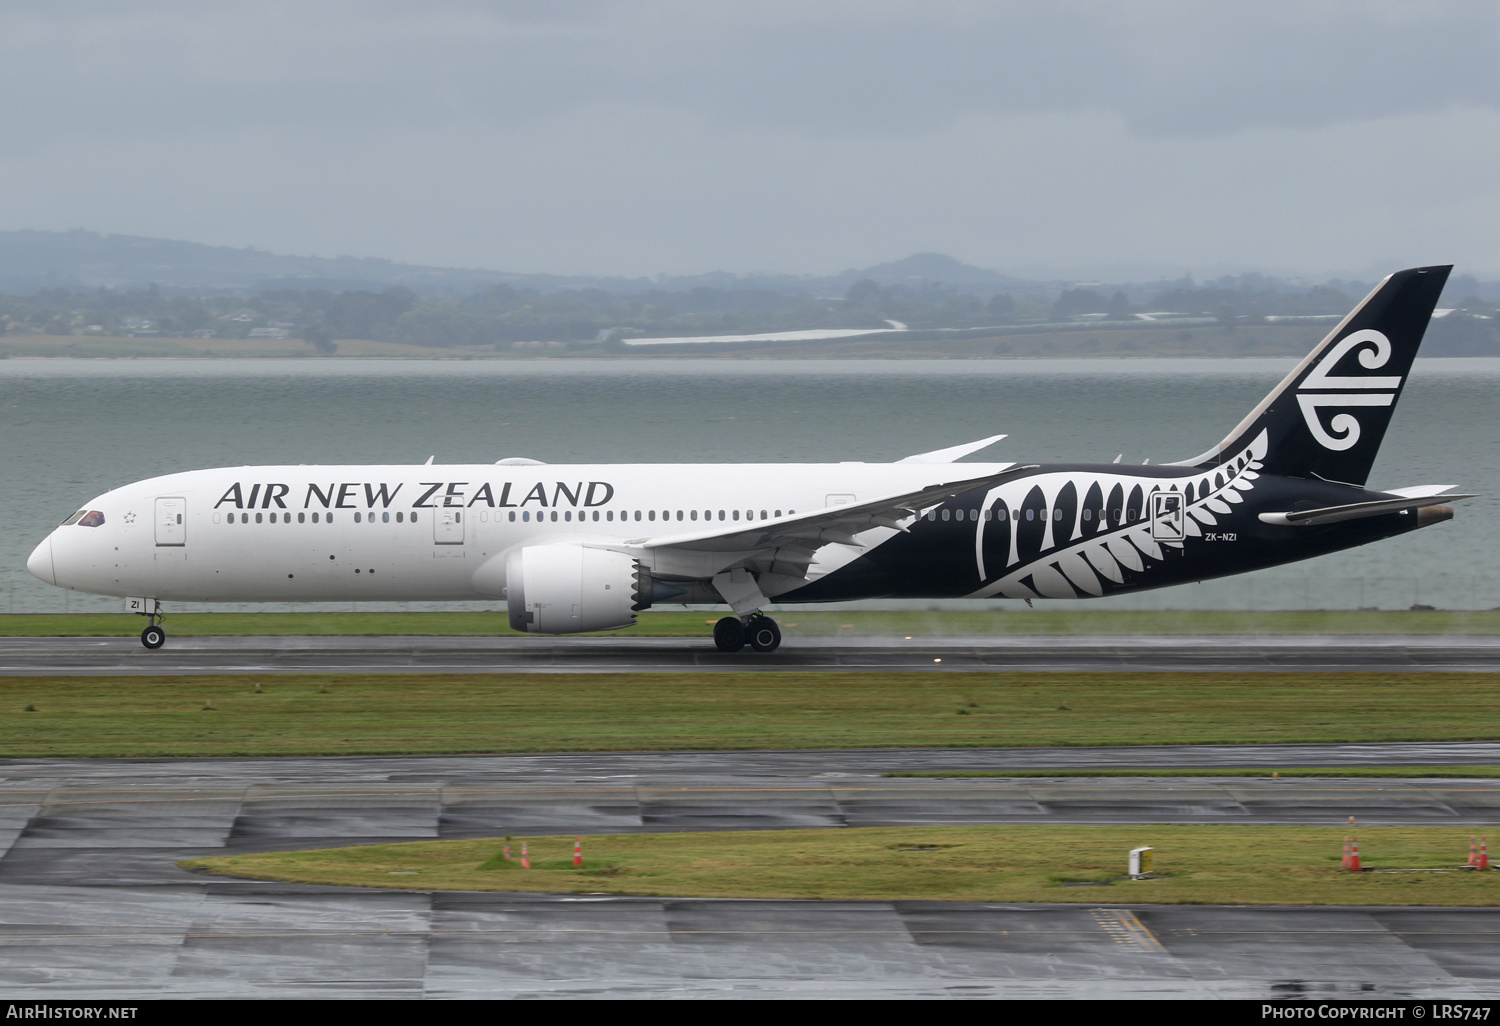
(74, 518)
(93, 518)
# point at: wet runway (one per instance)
(1237, 653)
(93, 905)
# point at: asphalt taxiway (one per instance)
(1229, 653)
(92, 903)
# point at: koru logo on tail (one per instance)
(1323, 389)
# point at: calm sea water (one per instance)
(73, 429)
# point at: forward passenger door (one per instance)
(448, 527)
(171, 521)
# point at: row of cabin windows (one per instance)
(286, 518)
(608, 516)
(666, 514)
(1030, 514)
(567, 516)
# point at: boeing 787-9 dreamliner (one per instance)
(575, 548)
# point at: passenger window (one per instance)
(526, 516)
(609, 515)
(273, 518)
(458, 517)
(512, 517)
(763, 515)
(554, 516)
(596, 516)
(1088, 515)
(721, 514)
(356, 518)
(638, 514)
(385, 518)
(315, 517)
(679, 514)
(568, 516)
(946, 514)
(414, 517)
(257, 518)
(736, 515)
(692, 514)
(778, 513)
(398, 516)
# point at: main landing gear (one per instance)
(731, 634)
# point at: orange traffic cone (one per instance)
(1345, 863)
(525, 857)
(577, 852)
(507, 851)
(1354, 856)
(1484, 854)
(1473, 862)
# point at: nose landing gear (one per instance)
(759, 631)
(154, 636)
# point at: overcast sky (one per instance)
(656, 136)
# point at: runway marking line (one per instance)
(1125, 928)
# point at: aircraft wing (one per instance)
(786, 546)
(832, 523)
(953, 452)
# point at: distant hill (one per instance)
(936, 268)
(32, 260)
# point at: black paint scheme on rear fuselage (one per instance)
(936, 557)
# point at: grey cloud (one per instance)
(1178, 68)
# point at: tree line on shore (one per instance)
(502, 315)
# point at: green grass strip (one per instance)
(811, 623)
(391, 714)
(1402, 772)
(1229, 865)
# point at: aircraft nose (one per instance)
(40, 563)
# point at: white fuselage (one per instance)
(309, 533)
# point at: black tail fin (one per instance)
(1328, 417)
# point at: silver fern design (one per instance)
(1079, 558)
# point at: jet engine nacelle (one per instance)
(567, 588)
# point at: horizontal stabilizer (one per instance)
(1357, 510)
